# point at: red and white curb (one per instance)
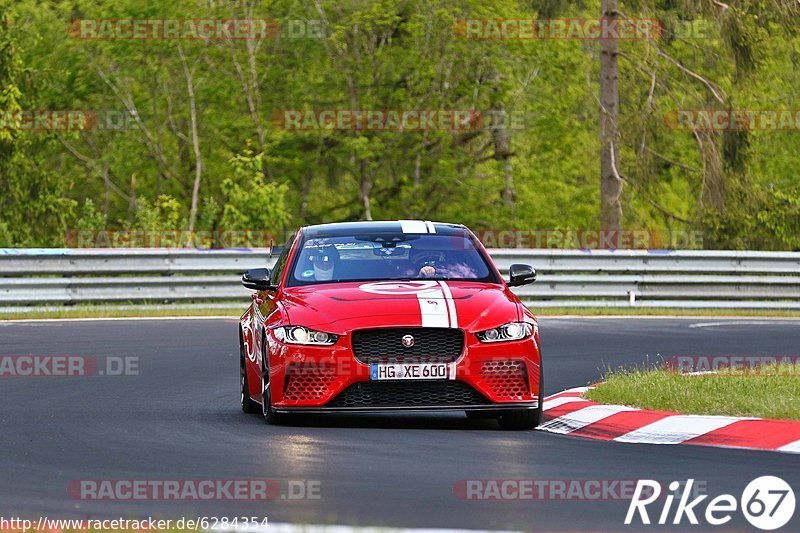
(568, 413)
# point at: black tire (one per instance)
(248, 405)
(520, 419)
(481, 415)
(525, 419)
(267, 411)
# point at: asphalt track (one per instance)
(179, 419)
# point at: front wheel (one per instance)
(248, 405)
(524, 418)
(481, 415)
(270, 415)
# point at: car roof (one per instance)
(382, 226)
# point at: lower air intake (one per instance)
(309, 383)
(402, 394)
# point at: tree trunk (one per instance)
(498, 120)
(502, 152)
(198, 160)
(610, 180)
(365, 189)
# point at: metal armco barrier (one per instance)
(567, 278)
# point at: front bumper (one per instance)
(316, 379)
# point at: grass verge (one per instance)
(770, 391)
(661, 311)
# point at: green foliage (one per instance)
(163, 214)
(33, 211)
(6, 239)
(737, 187)
(89, 218)
(782, 217)
(250, 201)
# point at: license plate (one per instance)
(422, 371)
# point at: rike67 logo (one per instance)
(767, 502)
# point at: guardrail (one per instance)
(567, 278)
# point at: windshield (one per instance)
(382, 256)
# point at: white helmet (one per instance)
(324, 261)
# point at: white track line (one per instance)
(729, 323)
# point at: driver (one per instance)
(323, 262)
(428, 263)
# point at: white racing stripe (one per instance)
(417, 226)
(437, 307)
(433, 308)
(676, 429)
(451, 304)
(413, 226)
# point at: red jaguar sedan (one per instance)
(389, 316)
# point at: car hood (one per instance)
(341, 307)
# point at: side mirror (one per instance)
(521, 275)
(258, 279)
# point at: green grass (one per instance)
(638, 311)
(771, 391)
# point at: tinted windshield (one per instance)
(387, 257)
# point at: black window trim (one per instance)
(280, 264)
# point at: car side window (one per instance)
(277, 272)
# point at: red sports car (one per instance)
(389, 316)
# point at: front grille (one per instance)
(406, 394)
(431, 345)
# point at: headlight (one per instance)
(513, 331)
(301, 335)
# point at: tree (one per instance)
(610, 179)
